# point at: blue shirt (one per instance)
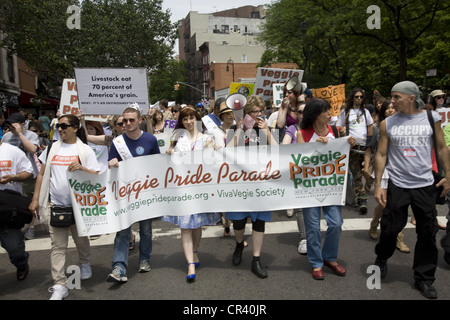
(146, 144)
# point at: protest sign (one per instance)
(69, 101)
(445, 115)
(255, 178)
(278, 94)
(266, 77)
(109, 91)
(243, 88)
(335, 95)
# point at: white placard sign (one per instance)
(109, 91)
(267, 77)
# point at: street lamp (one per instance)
(232, 64)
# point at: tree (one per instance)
(113, 33)
(163, 80)
(345, 50)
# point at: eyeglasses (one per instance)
(439, 97)
(63, 126)
(358, 97)
(128, 120)
(119, 124)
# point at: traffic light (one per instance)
(176, 87)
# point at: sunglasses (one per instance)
(358, 97)
(63, 126)
(439, 97)
(128, 120)
(119, 124)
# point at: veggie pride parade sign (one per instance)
(254, 178)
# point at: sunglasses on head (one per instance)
(63, 126)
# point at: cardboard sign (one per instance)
(335, 95)
(267, 77)
(109, 91)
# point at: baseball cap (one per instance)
(16, 118)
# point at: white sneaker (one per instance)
(59, 292)
(86, 271)
(302, 249)
(144, 266)
(289, 212)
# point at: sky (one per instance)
(180, 8)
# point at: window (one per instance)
(225, 28)
(244, 58)
(212, 75)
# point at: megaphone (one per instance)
(294, 84)
(237, 102)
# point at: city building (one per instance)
(9, 79)
(219, 46)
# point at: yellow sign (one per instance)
(335, 95)
(243, 88)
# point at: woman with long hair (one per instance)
(188, 136)
(52, 192)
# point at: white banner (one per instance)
(108, 91)
(230, 179)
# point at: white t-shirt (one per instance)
(12, 162)
(33, 138)
(101, 152)
(53, 124)
(357, 124)
(59, 186)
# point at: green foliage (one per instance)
(413, 38)
(162, 82)
(113, 33)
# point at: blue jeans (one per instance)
(12, 241)
(311, 218)
(122, 244)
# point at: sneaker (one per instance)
(362, 203)
(59, 292)
(144, 266)
(117, 275)
(302, 249)
(86, 271)
(427, 290)
(290, 212)
(29, 235)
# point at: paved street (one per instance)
(217, 279)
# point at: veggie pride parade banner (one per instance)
(254, 178)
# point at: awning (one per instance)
(32, 99)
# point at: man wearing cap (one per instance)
(406, 140)
(28, 142)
